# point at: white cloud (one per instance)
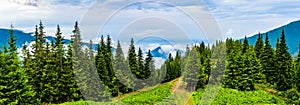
(247, 17)
(158, 62)
(230, 32)
(149, 32)
(243, 16)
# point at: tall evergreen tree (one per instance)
(50, 78)
(132, 59)
(140, 62)
(37, 68)
(245, 45)
(191, 73)
(297, 76)
(121, 70)
(149, 64)
(284, 65)
(100, 62)
(14, 82)
(59, 56)
(73, 92)
(80, 65)
(259, 47)
(268, 65)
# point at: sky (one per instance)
(178, 21)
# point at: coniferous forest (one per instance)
(51, 73)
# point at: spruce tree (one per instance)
(100, 62)
(297, 76)
(132, 59)
(191, 73)
(59, 60)
(73, 92)
(140, 62)
(101, 67)
(259, 47)
(178, 64)
(149, 68)
(37, 68)
(267, 62)
(245, 45)
(169, 70)
(109, 59)
(80, 65)
(50, 77)
(234, 64)
(284, 65)
(14, 82)
(121, 70)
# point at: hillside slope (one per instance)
(292, 32)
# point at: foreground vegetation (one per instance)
(235, 97)
(162, 95)
(150, 97)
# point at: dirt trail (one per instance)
(181, 95)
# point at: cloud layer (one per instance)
(236, 18)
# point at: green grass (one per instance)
(91, 103)
(150, 97)
(147, 97)
(235, 97)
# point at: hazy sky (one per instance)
(170, 19)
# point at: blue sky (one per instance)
(166, 18)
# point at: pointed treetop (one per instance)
(149, 53)
(170, 56)
(58, 28)
(132, 41)
(41, 26)
(267, 39)
(245, 45)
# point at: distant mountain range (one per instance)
(292, 32)
(27, 38)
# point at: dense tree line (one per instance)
(52, 73)
(246, 66)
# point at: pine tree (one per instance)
(132, 59)
(121, 70)
(284, 65)
(100, 62)
(101, 67)
(187, 51)
(140, 62)
(268, 65)
(251, 73)
(73, 92)
(80, 65)
(109, 59)
(50, 77)
(297, 76)
(149, 68)
(169, 70)
(191, 73)
(259, 47)
(234, 64)
(245, 45)
(38, 61)
(178, 64)
(59, 61)
(15, 88)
